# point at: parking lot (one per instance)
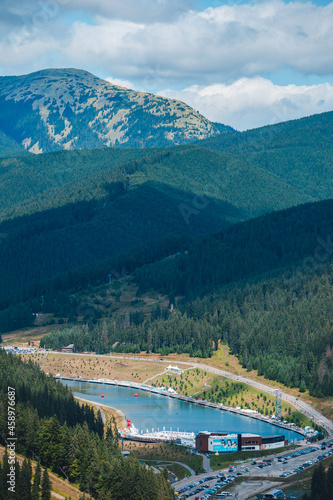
(219, 483)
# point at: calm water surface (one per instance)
(149, 411)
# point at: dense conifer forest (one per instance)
(67, 437)
(321, 484)
(263, 287)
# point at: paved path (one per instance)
(46, 355)
(206, 463)
(191, 471)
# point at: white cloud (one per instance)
(250, 103)
(155, 44)
(133, 10)
(217, 44)
(121, 83)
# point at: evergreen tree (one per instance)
(3, 494)
(329, 476)
(46, 486)
(319, 483)
(99, 425)
(4, 476)
(36, 484)
(24, 483)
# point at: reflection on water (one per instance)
(152, 411)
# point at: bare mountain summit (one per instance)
(58, 109)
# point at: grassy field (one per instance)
(164, 452)
(199, 383)
(178, 471)
(225, 459)
(94, 367)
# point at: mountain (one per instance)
(57, 109)
(34, 183)
(258, 171)
(70, 218)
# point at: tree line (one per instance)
(321, 484)
(19, 482)
(279, 327)
(69, 439)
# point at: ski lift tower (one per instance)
(279, 404)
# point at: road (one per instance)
(300, 405)
(191, 471)
(206, 462)
(256, 479)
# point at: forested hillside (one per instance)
(47, 244)
(68, 438)
(262, 286)
(256, 171)
(150, 212)
(49, 181)
(287, 238)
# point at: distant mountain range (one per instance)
(57, 109)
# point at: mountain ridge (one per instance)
(56, 109)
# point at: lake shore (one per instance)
(119, 415)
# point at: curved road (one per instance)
(303, 407)
(300, 405)
(170, 462)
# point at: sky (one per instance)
(242, 63)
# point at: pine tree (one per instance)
(46, 486)
(3, 495)
(99, 425)
(3, 476)
(329, 476)
(36, 485)
(319, 483)
(24, 483)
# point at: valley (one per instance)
(136, 234)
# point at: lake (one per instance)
(153, 411)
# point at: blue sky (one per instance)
(246, 64)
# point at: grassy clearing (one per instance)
(94, 367)
(178, 470)
(225, 459)
(199, 383)
(164, 452)
(120, 297)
